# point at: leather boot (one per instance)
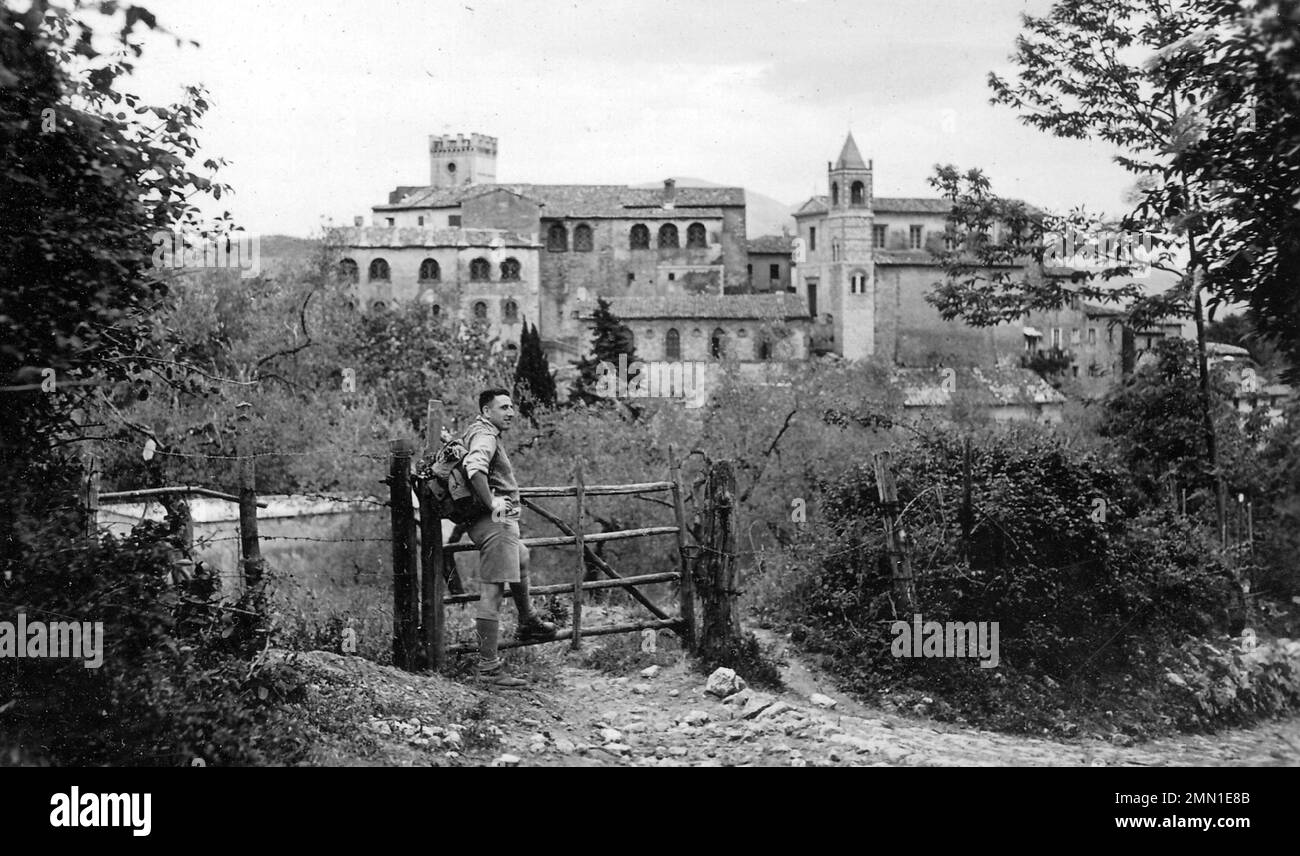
(490, 665)
(530, 626)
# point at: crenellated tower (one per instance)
(455, 161)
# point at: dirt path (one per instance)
(580, 717)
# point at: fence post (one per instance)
(433, 588)
(687, 588)
(248, 542)
(91, 498)
(576, 642)
(721, 620)
(900, 559)
(403, 525)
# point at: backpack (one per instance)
(441, 480)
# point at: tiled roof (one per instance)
(904, 257)
(704, 306)
(910, 205)
(583, 200)
(399, 236)
(815, 205)
(770, 244)
(981, 386)
(882, 205)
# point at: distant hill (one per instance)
(763, 214)
(282, 249)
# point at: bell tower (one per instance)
(455, 161)
(850, 276)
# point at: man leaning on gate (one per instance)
(495, 532)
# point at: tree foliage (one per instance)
(610, 337)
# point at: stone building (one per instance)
(545, 252)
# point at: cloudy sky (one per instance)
(323, 107)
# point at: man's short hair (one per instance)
(485, 397)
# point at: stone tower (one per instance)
(850, 273)
(460, 160)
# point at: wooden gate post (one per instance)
(403, 524)
(581, 573)
(900, 558)
(433, 587)
(687, 588)
(721, 620)
(248, 540)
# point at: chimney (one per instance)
(358, 221)
(670, 192)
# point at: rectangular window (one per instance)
(878, 236)
(419, 221)
(1074, 335)
(1092, 335)
(812, 239)
(915, 233)
(453, 220)
(631, 277)
(391, 221)
(672, 277)
(1056, 338)
(774, 271)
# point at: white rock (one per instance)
(564, 745)
(754, 706)
(677, 751)
(822, 700)
(776, 709)
(674, 693)
(506, 760)
(452, 739)
(739, 698)
(661, 751)
(641, 689)
(611, 735)
(619, 749)
(697, 717)
(723, 682)
(650, 672)
(798, 762)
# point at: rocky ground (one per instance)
(665, 715)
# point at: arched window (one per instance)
(673, 344)
(835, 193)
(379, 271)
(582, 242)
(378, 306)
(480, 310)
(640, 237)
(429, 271)
(858, 193)
(510, 312)
(718, 343)
(348, 270)
(480, 270)
(858, 283)
(557, 238)
(437, 310)
(668, 236)
(510, 269)
(696, 237)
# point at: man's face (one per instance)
(501, 412)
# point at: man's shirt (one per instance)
(488, 455)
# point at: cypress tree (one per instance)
(610, 338)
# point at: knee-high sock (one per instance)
(488, 635)
(519, 593)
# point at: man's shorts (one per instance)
(500, 550)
